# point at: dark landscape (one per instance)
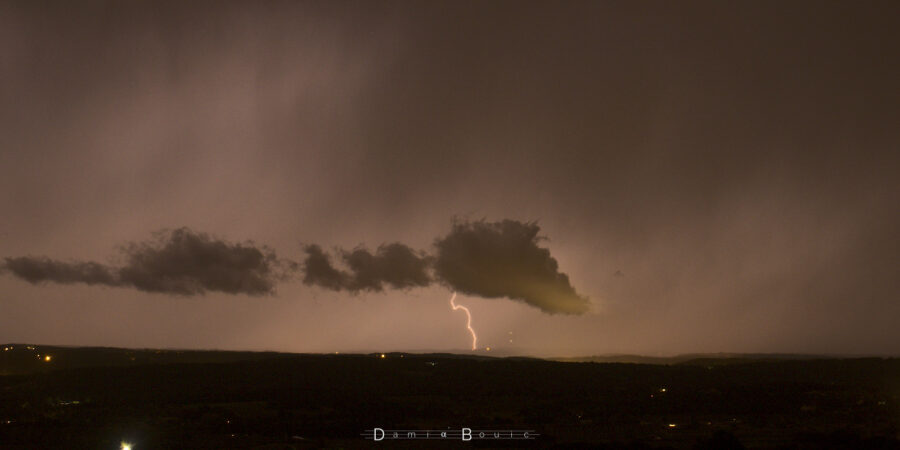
(101, 397)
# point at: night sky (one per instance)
(591, 177)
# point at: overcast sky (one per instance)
(711, 176)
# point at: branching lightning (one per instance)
(468, 318)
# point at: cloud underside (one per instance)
(394, 266)
(41, 269)
(179, 262)
(485, 259)
(503, 259)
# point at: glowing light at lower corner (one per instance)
(125, 446)
(468, 319)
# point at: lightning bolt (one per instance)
(468, 318)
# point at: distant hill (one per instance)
(21, 358)
(31, 358)
(697, 358)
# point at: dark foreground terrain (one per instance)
(98, 398)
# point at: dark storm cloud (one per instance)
(486, 259)
(182, 262)
(36, 270)
(188, 263)
(393, 265)
(319, 271)
(503, 259)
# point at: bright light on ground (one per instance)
(125, 446)
(382, 355)
(48, 358)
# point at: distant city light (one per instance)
(662, 390)
(382, 355)
(48, 358)
(487, 348)
(125, 446)
(672, 425)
